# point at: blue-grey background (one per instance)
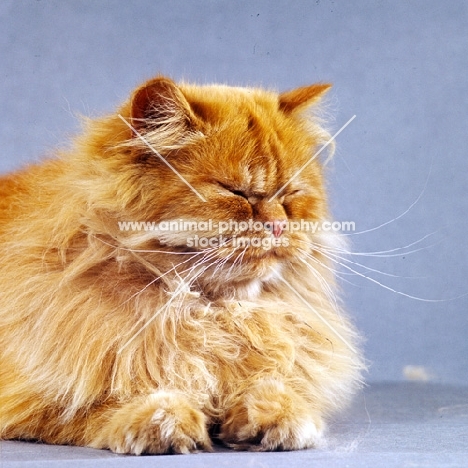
(399, 66)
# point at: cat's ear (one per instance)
(300, 98)
(159, 102)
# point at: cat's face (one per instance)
(236, 165)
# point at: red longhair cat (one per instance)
(149, 340)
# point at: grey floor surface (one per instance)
(389, 424)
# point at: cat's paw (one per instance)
(271, 417)
(158, 423)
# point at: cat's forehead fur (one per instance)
(215, 104)
(250, 135)
(236, 98)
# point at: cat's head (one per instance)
(222, 172)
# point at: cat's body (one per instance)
(131, 340)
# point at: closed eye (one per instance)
(238, 193)
(293, 193)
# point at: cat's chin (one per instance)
(246, 286)
(251, 290)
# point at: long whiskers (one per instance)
(361, 265)
(386, 223)
(335, 259)
(322, 281)
(183, 287)
(237, 261)
(381, 253)
(334, 271)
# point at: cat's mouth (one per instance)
(245, 248)
(259, 254)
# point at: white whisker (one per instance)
(239, 259)
(373, 280)
(322, 281)
(386, 223)
(349, 345)
(381, 253)
(374, 270)
(336, 273)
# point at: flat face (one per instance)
(240, 162)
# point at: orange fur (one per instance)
(135, 342)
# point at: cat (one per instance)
(149, 340)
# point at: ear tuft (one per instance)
(300, 98)
(159, 102)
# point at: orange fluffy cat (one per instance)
(149, 341)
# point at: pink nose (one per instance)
(277, 227)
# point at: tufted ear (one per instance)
(300, 98)
(159, 102)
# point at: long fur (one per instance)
(131, 340)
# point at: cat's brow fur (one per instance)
(134, 342)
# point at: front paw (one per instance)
(158, 423)
(271, 417)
